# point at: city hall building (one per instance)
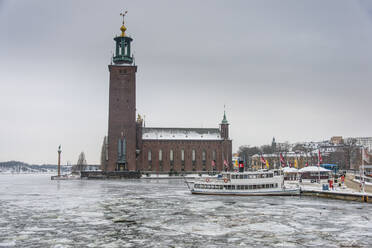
(130, 146)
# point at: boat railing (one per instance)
(212, 180)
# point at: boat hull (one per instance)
(291, 192)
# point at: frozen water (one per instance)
(38, 212)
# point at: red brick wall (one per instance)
(223, 150)
(122, 111)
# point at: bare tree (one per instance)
(81, 164)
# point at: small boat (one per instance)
(261, 183)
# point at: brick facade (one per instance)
(216, 150)
(122, 114)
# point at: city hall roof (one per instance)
(160, 133)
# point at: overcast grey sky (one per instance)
(296, 70)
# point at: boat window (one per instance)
(241, 176)
(245, 176)
(276, 185)
(254, 186)
(228, 186)
(225, 186)
(233, 187)
(221, 186)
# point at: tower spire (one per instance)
(224, 120)
(123, 28)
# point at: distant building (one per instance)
(363, 141)
(347, 155)
(336, 140)
(132, 146)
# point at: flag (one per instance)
(236, 164)
(267, 164)
(241, 164)
(296, 163)
(320, 159)
(282, 160)
(225, 163)
(365, 155)
(263, 160)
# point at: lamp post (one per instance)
(59, 160)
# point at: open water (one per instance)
(38, 212)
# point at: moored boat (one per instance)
(268, 183)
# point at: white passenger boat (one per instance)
(244, 184)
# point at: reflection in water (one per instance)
(35, 211)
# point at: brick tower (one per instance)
(122, 107)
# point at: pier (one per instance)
(110, 175)
(348, 196)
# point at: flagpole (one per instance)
(319, 164)
(362, 176)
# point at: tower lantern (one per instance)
(123, 51)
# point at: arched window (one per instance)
(149, 155)
(171, 155)
(193, 155)
(160, 155)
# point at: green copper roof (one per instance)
(224, 121)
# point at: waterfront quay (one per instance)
(339, 195)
